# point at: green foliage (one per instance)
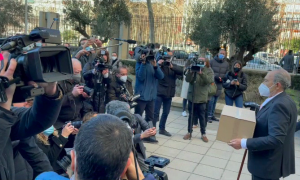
(293, 44)
(130, 65)
(248, 24)
(104, 16)
(69, 35)
(12, 14)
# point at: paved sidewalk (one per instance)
(196, 160)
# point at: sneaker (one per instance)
(187, 136)
(210, 121)
(151, 139)
(214, 118)
(184, 114)
(164, 132)
(204, 138)
(195, 126)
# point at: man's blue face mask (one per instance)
(221, 56)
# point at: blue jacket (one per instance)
(146, 80)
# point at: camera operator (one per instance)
(198, 94)
(165, 91)
(53, 142)
(115, 62)
(120, 87)
(97, 80)
(29, 123)
(102, 151)
(147, 74)
(115, 107)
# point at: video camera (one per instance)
(130, 99)
(163, 54)
(101, 62)
(39, 64)
(196, 64)
(87, 90)
(148, 51)
(157, 162)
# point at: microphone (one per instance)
(129, 41)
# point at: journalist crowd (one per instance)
(92, 113)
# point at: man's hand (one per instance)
(235, 143)
(98, 42)
(67, 130)
(143, 57)
(153, 63)
(149, 132)
(88, 43)
(200, 72)
(77, 90)
(75, 131)
(85, 95)
(237, 83)
(232, 82)
(160, 61)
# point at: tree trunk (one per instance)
(151, 21)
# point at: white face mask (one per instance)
(264, 90)
(123, 78)
(38, 44)
(114, 57)
(105, 75)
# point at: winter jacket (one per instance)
(114, 89)
(167, 85)
(115, 64)
(34, 120)
(146, 80)
(73, 108)
(288, 62)
(201, 86)
(29, 159)
(90, 80)
(220, 68)
(55, 150)
(212, 80)
(233, 90)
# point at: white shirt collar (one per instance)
(268, 100)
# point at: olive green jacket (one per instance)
(201, 86)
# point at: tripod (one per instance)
(98, 88)
(193, 96)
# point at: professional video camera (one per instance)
(148, 51)
(87, 90)
(101, 62)
(39, 64)
(130, 99)
(157, 162)
(196, 64)
(163, 54)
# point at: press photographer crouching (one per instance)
(200, 77)
(166, 90)
(121, 86)
(96, 76)
(137, 123)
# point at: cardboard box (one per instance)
(236, 123)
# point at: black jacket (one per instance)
(220, 68)
(29, 159)
(272, 148)
(232, 90)
(73, 108)
(34, 120)
(55, 151)
(167, 85)
(114, 89)
(90, 80)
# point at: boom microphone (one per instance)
(129, 41)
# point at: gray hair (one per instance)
(119, 69)
(282, 77)
(114, 106)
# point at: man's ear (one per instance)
(126, 167)
(73, 158)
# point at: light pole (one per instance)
(26, 16)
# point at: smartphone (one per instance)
(235, 80)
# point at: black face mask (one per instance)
(236, 69)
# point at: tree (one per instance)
(151, 21)
(248, 24)
(12, 14)
(293, 44)
(69, 35)
(104, 17)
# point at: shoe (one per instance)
(210, 121)
(151, 139)
(204, 138)
(187, 136)
(164, 132)
(184, 114)
(214, 118)
(195, 126)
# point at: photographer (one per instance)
(235, 83)
(120, 88)
(32, 121)
(165, 91)
(198, 94)
(98, 79)
(115, 62)
(147, 74)
(115, 107)
(53, 142)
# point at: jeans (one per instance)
(148, 107)
(212, 106)
(184, 102)
(237, 100)
(166, 102)
(298, 126)
(199, 113)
